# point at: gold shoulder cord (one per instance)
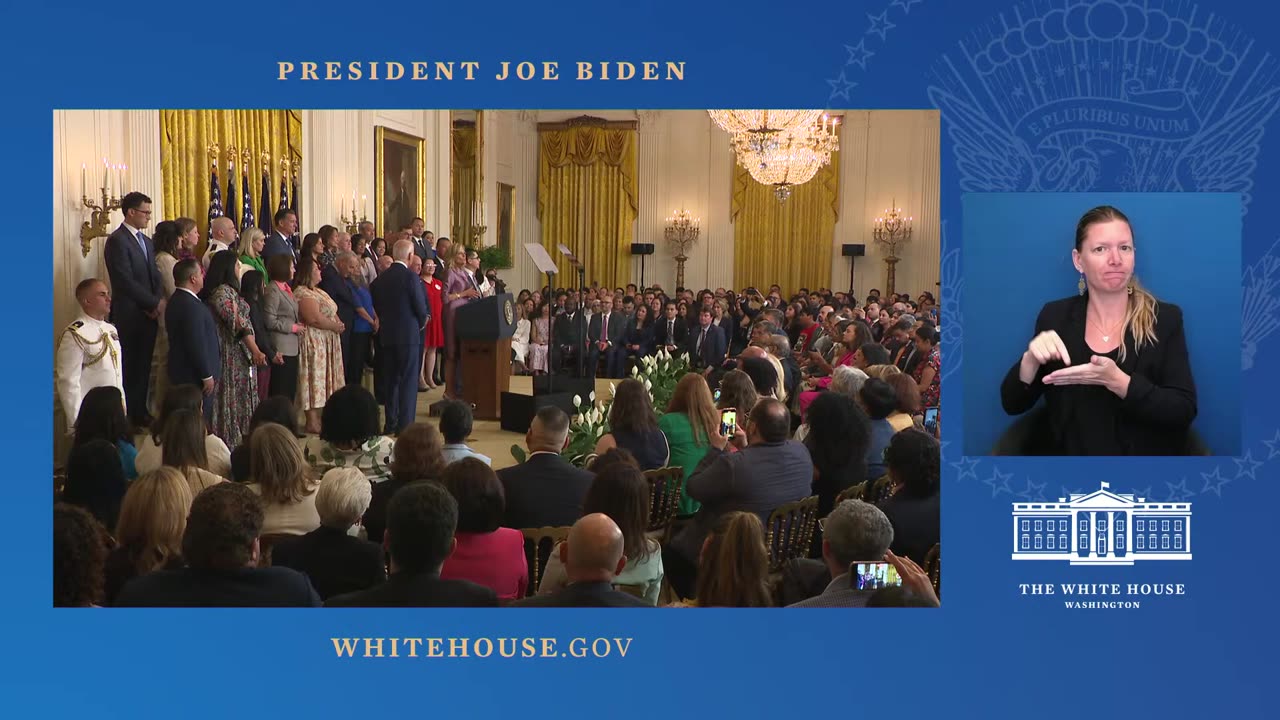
(94, 354)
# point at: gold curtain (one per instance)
(463, 179)
(789, 242)
(587, 198)
(185, 137)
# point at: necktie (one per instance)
(142, 244)
(604, 328)
(701, 336)
(671, 330)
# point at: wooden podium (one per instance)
(484, 328)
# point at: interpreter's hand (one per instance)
(913, 577)
(1100, 370)
(1047, 347)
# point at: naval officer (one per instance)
(88, 351)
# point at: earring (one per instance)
(1080, 284)
(1129, 289)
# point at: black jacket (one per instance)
(404, 589)
(335, 561)
(544, 491)
(242, 587)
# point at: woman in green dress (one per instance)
(251, 250)
(689, 423)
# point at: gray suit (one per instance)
(757, 479)
(280, 314)
(838, 594)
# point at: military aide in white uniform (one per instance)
(88, 351)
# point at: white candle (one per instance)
(106, 178)
(84, 183)
(124, 177)
(364, 207)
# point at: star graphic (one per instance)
(1179, 491)
(1151, 179)
(1033, 491)
(1082, 65)
(1144, 493)
(1167, 152)
(1246, 466)
(1170, 82)
(1105, 64)
(999, 482)
(1059, 71)
(1017, 92)
(1214, 481)
(1039, 81)
(966, 466)
(859, 54)
(905, 5)
(1128, 67)
(841, 86)
(1193, 93)
(880, 24)
(1273, 445)
(1144, 150)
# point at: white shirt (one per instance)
(215, 247)
(88, 357)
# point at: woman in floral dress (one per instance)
(236, 392)
(320, 370)
(539, 340)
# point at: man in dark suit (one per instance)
(221, 549)
(706, 344)
(545, 490)
(670, 332)
(592, 557)
(280, 241)
(769, 471)
(569, 336)
(421, 246)
(333, 280)
(605, 332)
(401, 304)
(421, 520)
(336, 562)
(138, 301)
(194, 357)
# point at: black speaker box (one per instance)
(563, 383)
(518, 410)
(852, 250)
(641, 248)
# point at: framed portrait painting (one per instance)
(400, 194)
(506, 216)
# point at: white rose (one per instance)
(634, 371)
(577, 401)
(593, 396)
(648, 385)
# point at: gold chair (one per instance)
(879, 491)
(632, 590)
(665, 487)
(933, 567)
(538, 545)
(853, 492)
(789, 531)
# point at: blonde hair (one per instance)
(734, 567)
(276, 464)
(246, 242)
(153, 517)
(692, 397)
(882, 372)
(343, 497)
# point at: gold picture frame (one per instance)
(400, 167)
(506, 218)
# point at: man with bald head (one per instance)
(592, 558)
(222, 234)
(400, 302)
(545, 490)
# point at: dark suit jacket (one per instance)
(1154, 418)
(617, 328)
(916, 524)
(242, 587)
(422, 250)
(405, 589)
(756, 479)
(714, 346)
(135, 279)
(639, 336)
(335, 561)
(276, 244)
(334, 284)
(193, 340)
(662, 338)
(567, 330)
(400, 301)
(597, 594)
(544, 491)
(375, 518)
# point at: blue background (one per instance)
(989, 651)
(1021, 243)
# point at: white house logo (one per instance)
(1102, 528)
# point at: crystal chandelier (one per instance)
(739, 121)
(784, 160)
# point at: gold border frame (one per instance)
(497, 216)
(381, 135)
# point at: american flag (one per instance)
(231, 191)
(247, 221)
(264, 203)
(215, 196)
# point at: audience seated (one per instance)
(220, 546)
(79, 552)
(181, 397)
(336, 561)
(545, 490)
(455, 425)
(95, 480)
(102, 417)
(739, 392)
(764, 370)
(916, 589)
(485, 552)
(908, 394)
(593, 556)
(879, 400)
(275, 409)
(854, 532)
(349, 436)
(149, 531)
(839, 436)
(416, 456)
(733, 564)
(421, 520)
(284, 481)
(183, 448)
(690, 421)
(913, 459)
(621, 492)
(634, 427)
(770, 470)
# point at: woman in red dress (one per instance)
(433, 336)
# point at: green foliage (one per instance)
(494, 256)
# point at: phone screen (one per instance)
(717, 395)
(931, 421)
(873, 576)
(728, 422)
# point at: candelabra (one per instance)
(892, 230)
(352, 222)
(681, 233)
(99, 222)
(478, 227)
